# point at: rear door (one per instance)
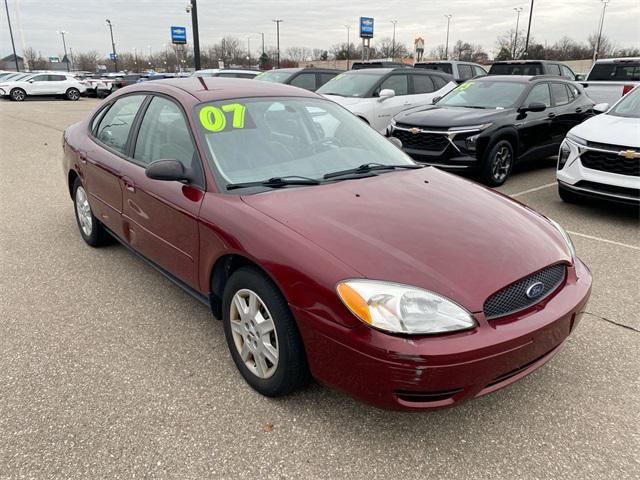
(567, 113)
(465, 72)
(423, 89)
(306, 80)
(535, 127)
(58, 84)
(160, 218)
(103, 161)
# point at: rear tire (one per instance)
(91, 230)
(567, 195)
(497, 164)
(72, 94)
(262, 335)
(17, 95)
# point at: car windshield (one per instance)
(274, 76)
(484, 94)
(253, 139)
(629, 106)
(516, 69)
(16, 76)
(351, 84)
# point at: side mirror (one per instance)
(168, 170)
(29, 81)
(385, 94)
(435, 100)
(601, 107)
(534, 107)
(579, 77)
(395, 141)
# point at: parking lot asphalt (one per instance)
(107, 370)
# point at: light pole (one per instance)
(193, 9)
(15, 57)
(113, 45)
(596, 50)
(526, 43)
(278, 38)
(135, 58)
(262, 34)
(446, 48)
(64, 45)
(515, 37)
(393, 41)
(348, 27)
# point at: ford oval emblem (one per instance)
(535, 290)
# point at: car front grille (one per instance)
(611, 162)
(422, 141)
(514, 298)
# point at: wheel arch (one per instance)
(509, 134)
(71, 178)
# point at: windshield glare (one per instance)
(254, 139)
(484, 94)
(350, 84)
(629, 106)
(274, 76)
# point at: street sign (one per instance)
(366, 27)
(179, 35)
(419, 44)
(113, 56)
(54, 59)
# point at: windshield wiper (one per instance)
(276, 182)
(333, 93)
(369, 167)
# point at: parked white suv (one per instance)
(377, 94)
(61, 84)
(601, 156)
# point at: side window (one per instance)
(566, 72)
(560, 94)
(465, 72)
(57, 78)
(539, 94)
(228, 75)
(553, 69)
(246, 75)
(573, 92)
(422, 84)
(40, 78)
(478, 71)
(325, 77)
(438, 82)
(97, 118)
(397, 83)
(116, 123)
(305, 80)
(164, 134)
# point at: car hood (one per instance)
(610, 129)
(436, 116)
(344, 101)
(422, 227)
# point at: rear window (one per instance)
(516, 69)
(615, 72)
(440, 67)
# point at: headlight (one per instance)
(397, 308)
(563, 155)
(567, 238)
(470, 142)
(471, 128)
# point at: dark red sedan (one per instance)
(324, 249)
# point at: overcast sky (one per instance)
(310, 23)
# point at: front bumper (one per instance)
(600, 184)
(401, 372)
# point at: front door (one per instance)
(535, 127)
(160, 218)
(386, 109)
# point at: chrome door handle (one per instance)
(128, 184)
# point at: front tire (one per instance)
(262, 335)
(72, 94)
(90, 228)
(17, 95)
(498, 164)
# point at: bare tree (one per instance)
(437, 52)
(505, 43)
(34, 59)
(298, 54)
(87, 61)
(606, 48)
(385, 48)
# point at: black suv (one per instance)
(531, 67)
(487, 124)
(310, 78)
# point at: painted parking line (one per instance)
(535, 189)
(600, 239)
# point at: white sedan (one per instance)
(377, 94)
(59, 84)
(600, 158)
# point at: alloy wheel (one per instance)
(18, 95)
(83, 210)
(73, 94)
(501, 164)
(254, 333)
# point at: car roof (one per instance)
(431, 62)
(619, 60)
(211, 89)
(520, 78)
(522, 62)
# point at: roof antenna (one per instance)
(202, 82)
